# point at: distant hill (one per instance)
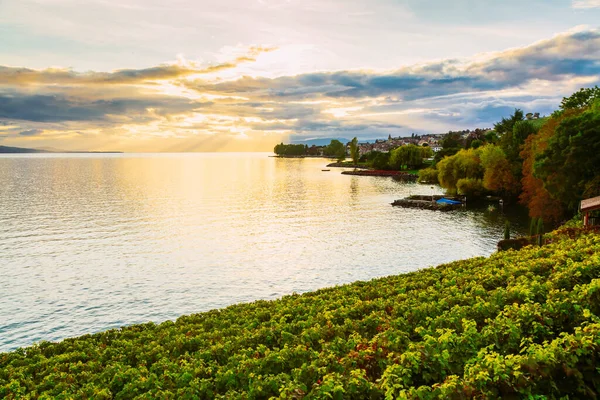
(14, 150)
(316, 141)
(7, 149)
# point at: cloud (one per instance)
(58, 108)
(572, 54)
(31, 132)
(21, 76)
(169, 101)
(586, 4)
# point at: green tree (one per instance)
(409, 156)
(381, 161)
(491, 137)
(465, 164)
(428, 175)
(470, 187)
(451, 144)
(505, 129)
(540, 231)
(335, 149)
(572, 158)
(532, 227)
(475, 144)
(290, 149)
(583, 98)
(354, 151)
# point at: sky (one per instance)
(242, 75)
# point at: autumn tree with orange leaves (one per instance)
(534, 195)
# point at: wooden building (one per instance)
(587, 206)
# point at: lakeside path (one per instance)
(505, 326)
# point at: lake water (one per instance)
(91, 242)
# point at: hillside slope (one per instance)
(512, 325)
(8, 149)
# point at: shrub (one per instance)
(428, 175)
(519, 324)
(470, 187)
(514, 244)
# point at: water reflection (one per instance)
(89, 242)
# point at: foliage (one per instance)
(512, 142)
(290, 149)
(540, 231)
(451, 144)
(475, 144)
(408, 156)
(505, 126)
(513, 244)
(572, 157)
(533, 193)
(532, 226)
(514, 131)
(581, 99)
(464, 164)
(354, 151)
(369, 156)
(498, 176)
(335, 149)
(491, 137)
(470, 187)
(520, 324)
(381, 161)
(428, 175)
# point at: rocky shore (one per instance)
(427, 203)
(404, 176)
(345, 164)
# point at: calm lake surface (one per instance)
(97, 241)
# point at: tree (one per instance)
(534, 195)
(465, 164)
(410, 156)
(505, 129)
(506, 124)
(354, 151)
(491, 137)
(583, 98)
(540, 231)
(498, 176)
(451, 144)
(335, 149)
(572, 158)
(470, 187)
(428, 175)
(290, 149)
(381, 161)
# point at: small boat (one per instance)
(444, 200)
(325, 170)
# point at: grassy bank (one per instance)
(512, 325)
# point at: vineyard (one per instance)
(520, 324)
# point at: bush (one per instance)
(514, 244)
(520, 324)
(381, 161)
(470, 187)
(428, 175)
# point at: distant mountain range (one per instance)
(14, 150)
(316, 141)
(7, 149)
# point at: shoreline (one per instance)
(398, 175)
